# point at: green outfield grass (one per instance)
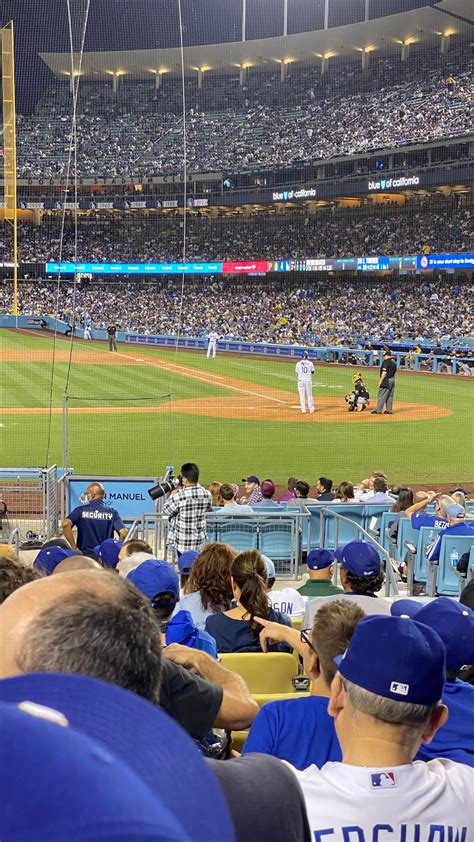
(423, 451)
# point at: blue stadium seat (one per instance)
(242, 534)
(275, 540)
(315, 526)
(447, 583)
(427, 534)
(346, 532)
(385, 523)
(374, 510)
(405, 533)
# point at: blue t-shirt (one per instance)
(457, 529)
(417, 521)
(236, 635)
(455, 740)
(299, 731)
(95, 523)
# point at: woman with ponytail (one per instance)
(236, 630)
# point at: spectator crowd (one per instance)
(347, 312)
(139, 131)
(380, 230)
(100, 639)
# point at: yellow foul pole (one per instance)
(9, 146)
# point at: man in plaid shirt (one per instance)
(252, 490)
(186, 510)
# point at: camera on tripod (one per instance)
(166, 485)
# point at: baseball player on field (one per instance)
(212, 344)
(304, 372)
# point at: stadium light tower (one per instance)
(9, 146)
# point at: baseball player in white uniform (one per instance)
(87, 326)
(386, 701)
(304, 372)
(212, 344)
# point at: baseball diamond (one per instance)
(250, 404)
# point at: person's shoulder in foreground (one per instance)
(264, 798)
(384, 707)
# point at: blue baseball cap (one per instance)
(186, 560)
(153, 577)
(405, 607)
(455, 625)
(108, 552)
(360, 558)
(271, 572)
(144, 741)
(397, 658)
(320, 558)
(58, 784)
(49, 557)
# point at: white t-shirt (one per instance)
(288, 601)
(418, 802)
(304, 370)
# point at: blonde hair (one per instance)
(215, 489)
(459, 498)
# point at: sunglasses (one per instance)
(304, 637)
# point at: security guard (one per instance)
(95, 521)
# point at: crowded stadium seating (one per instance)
(263, 123)
(352, 312)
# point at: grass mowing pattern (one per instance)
(424, 451)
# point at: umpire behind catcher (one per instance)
(388, 370)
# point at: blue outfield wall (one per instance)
(266, 349)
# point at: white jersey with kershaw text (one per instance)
(304, 369)
(418, 802)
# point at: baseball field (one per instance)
(132, 412)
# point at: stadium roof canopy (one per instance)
(426, 25)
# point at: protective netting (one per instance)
(278, 140)
(121, 435)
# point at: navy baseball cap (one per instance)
(49, 557)
(455, 625)
(59, 784)
(320, 558)
(397, 658)
(360, 558)
(251, 478)
(143, 740)
(186, 560)
(108, 551)
(153, 577)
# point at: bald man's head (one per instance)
(96, 490)
(76, 562)
(89, 622)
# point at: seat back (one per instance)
(277, 540)
(314, 526)
(240, 533)
(345, 531)
(375, 510)
(447, 583)
(427, 534)
(263, 672)
(385, 523)
(405, 533)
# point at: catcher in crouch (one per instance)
(358, 399)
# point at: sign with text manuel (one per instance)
(129, 495)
